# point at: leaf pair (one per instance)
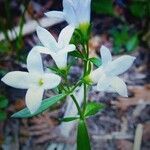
(91, 109)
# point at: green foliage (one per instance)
(81, 34)
(68, 119)
(83, 141)
(3, 102)
(4, 46)
(89, 68)
(62, 72)
(140, 8)
(7, 23)
(3, 115)
(3, 106)
(25, 113)
(92, 108)
(132, 43)
(103, 7)
(96, 61)
(77, 54)
(124, 38)
(77, 37)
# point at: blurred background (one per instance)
(121, 25)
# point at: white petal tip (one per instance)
(133, 58)
(125, 95)
(3, 79)
(46, 13)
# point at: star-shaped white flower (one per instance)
(75, 12)
(106, 76)
(58, 50)
(35, 80)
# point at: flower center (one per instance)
(41, 82)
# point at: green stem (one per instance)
(77, 105)
(85, 97)
(85, 72)
(77, 84)
(87, 47)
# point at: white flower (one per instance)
(35, 80)
(106, 75)
(58, 50)
(75, 12)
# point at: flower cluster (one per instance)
(76, 13)
(36, 80)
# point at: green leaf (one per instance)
(137, 5)
(68, 119)
(4, 46)
(77, 37)
(103, 7)
(92, 108)
(25, 113)
(96, 61)
(3, 115)
(83, 141)
(3, 102)
(62, 72)
(132, 43)
(76, 54)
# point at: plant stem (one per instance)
(77, 105)
(85, 96)
(77, 84)
(85, 72)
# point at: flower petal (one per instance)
(105, 55)
(65, 36)
(17, 79)
(68, 48)
(42, 49)
(83, 11)
(103, 83)
(34, 62)
(119, 65)
(34, 98)
(69, 12)
(46, 38)
(60, 59)
(56, 14)
(51, 80)
(96, 75)
(119, 86)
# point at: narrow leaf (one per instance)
(92, 108)
(96, 61)
(132, 43)
(25, 113)
(68, 119)
(83, 141)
